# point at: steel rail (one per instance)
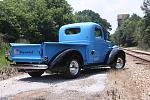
(138, 53)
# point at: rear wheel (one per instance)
(73, 67)
(119, 62)
(36, 73)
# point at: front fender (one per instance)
(59, 57)
(114, 52)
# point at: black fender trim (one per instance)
(114, 52)
(60, 56)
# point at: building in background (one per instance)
(121, 18)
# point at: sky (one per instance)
(109, 9)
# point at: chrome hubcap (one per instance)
(119, 63)
(74, 67)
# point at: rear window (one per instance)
(72, 31)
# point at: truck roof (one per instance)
(81, 24)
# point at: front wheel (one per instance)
(73, 67)
(119, 62)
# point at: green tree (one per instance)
(9, 14)
(145, 42)
(36, 20)
(126, 34)
(135, 31)
(91, 16)
(39, 20)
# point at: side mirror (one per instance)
(107, 37)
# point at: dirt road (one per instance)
(131, 83)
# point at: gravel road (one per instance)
(131, 83)
(89, 82)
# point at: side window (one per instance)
(98, 33)
(72, 31)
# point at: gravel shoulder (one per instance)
(132, 83)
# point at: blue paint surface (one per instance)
(85, 42)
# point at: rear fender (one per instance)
(113, 54)
(62, 56)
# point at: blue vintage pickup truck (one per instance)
(80, 46)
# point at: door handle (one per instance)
(93, 52)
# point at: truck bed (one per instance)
(35, 53)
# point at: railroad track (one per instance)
(145, 56)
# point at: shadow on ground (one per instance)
(57, 78)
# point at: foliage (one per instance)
(126, 34)
(145, 42)
(135, 31)
(91, 16)
(36, 20)
(39, 20)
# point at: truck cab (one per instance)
(80, 46)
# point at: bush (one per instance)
(3, 62)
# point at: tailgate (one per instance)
(26, 52)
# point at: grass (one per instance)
(4, 64)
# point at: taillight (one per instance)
(16, 51)
(7, 53)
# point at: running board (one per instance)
(97, 67)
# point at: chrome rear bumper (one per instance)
(30, 66)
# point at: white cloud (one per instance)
(109, 9)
